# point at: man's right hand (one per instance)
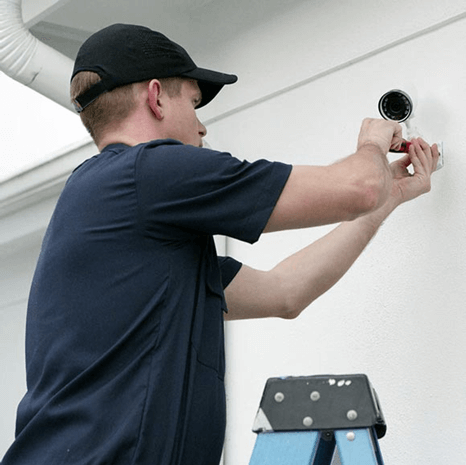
(385, 134)
(423, 159)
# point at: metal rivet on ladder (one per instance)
(279, 397)
(352, 415)
(350, 436)
(307, 421)
(315, 396)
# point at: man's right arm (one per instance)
(343, 191)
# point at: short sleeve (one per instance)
(229, 268)
(185, 190)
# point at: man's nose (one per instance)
(202, 130)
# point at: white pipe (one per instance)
(26, 59)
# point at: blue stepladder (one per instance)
(319, 420)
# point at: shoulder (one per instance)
(171, 158)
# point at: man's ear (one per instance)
(155, 98)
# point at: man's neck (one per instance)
(117, 139)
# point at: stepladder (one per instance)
(319, 420)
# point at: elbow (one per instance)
(290, 313)
(371, 197)
(284, 308)
(292, 307)
(283, 296)
(290, 296)
(370, 194)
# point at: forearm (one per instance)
(309, 273)
(343, 191)
(292, 285)
(368, 169)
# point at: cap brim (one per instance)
(210, 82)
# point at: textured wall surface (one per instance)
(310, 71)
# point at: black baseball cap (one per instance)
(124, 54)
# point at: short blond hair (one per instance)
(113, 106)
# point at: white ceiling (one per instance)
(192, 23)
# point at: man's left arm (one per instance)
(286, 290)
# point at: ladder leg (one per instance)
(293, 448)
(358, 447)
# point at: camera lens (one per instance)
(396, 105)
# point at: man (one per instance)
(125, 359)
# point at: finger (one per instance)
(432, 154)
(401, 147)
(386, 134)
(422, 163)
(424, 146)
(398, 131)
(401, 166)
(419, 160)
(404, 161)
(397, 137)
(435, 157)
(425, 158)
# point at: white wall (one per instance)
(34, 128)
(308, 76)
(307, 79)
(15, 274)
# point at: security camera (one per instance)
(396, 105)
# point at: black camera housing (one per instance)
(396, 105)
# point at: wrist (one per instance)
(375, 219)
(372, 146)
(387, 208)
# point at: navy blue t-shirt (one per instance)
(124, 340)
